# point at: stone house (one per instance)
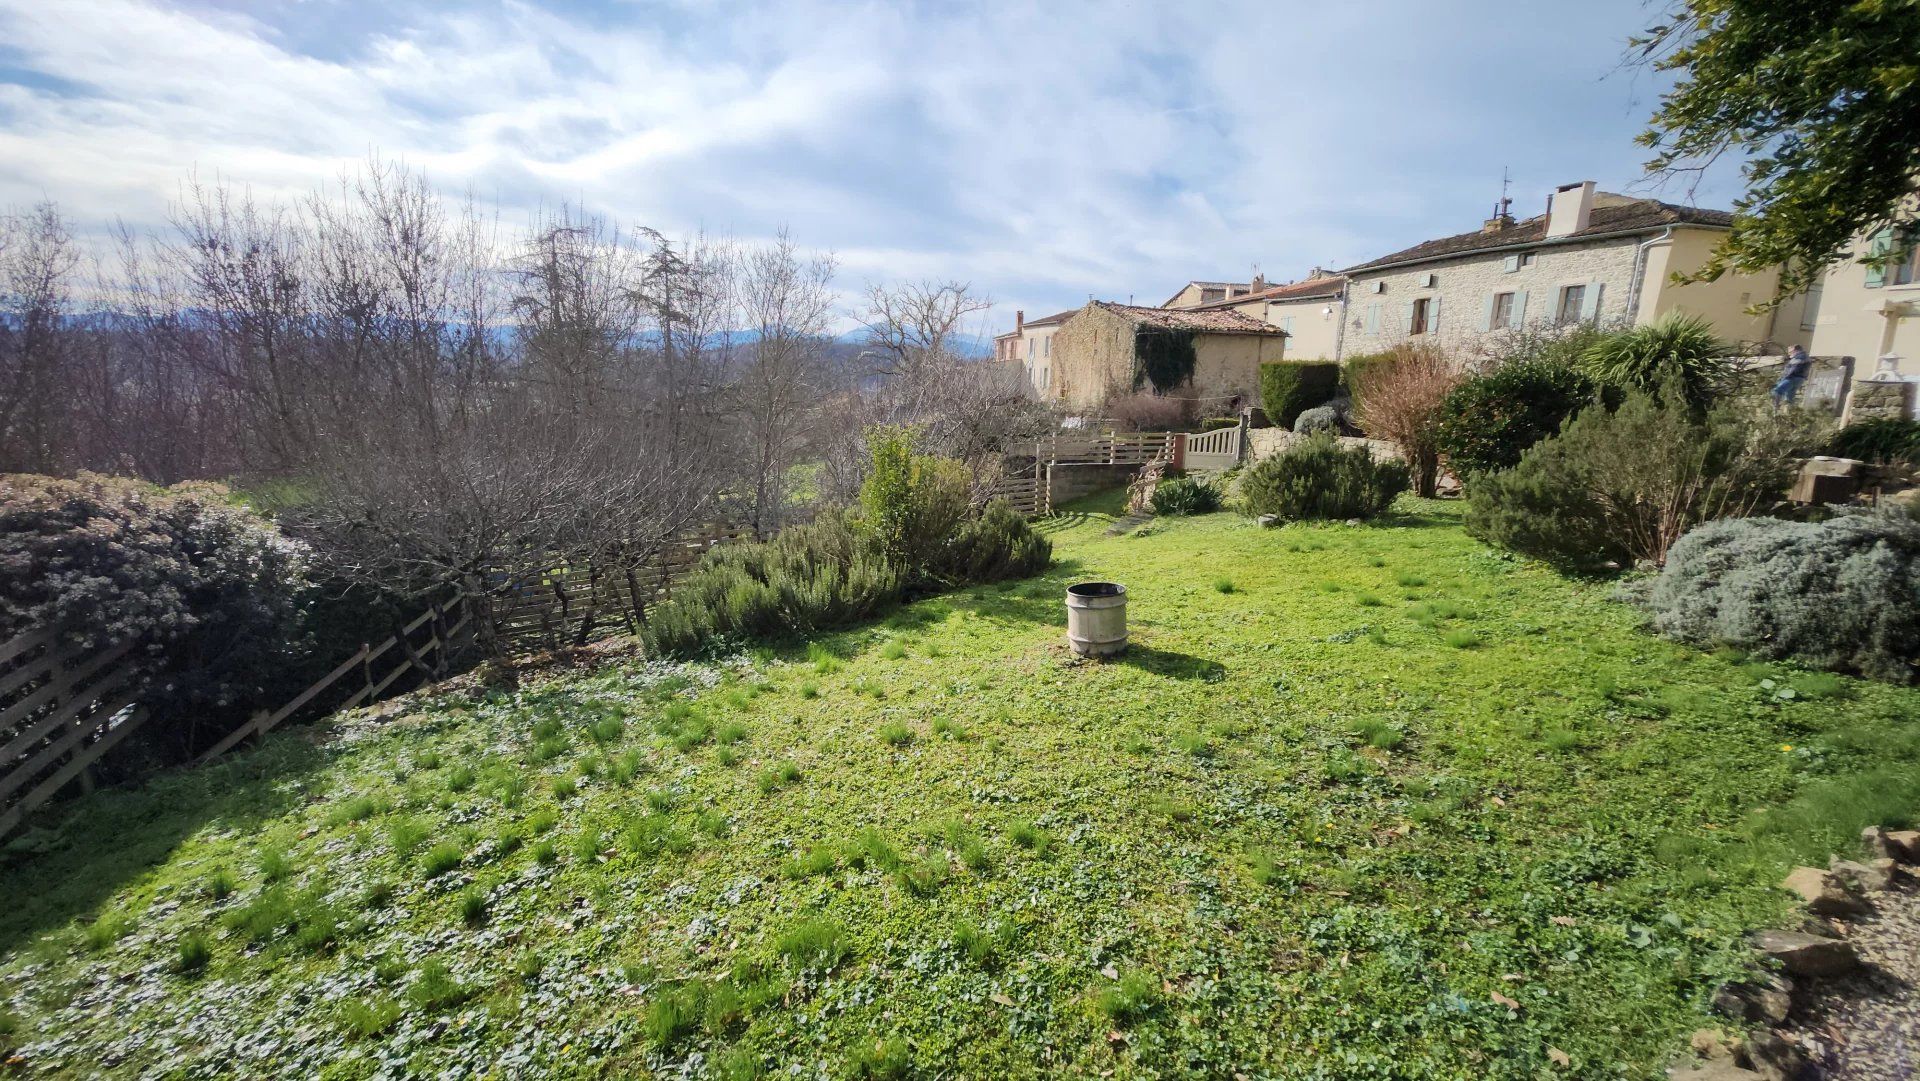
(1101, 352)
(1308, 310)
(1028, 348)
(1593, 256)
(1194, 293)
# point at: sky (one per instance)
(1041, 152)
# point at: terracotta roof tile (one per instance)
(1631, 216)
(1205, 321)
(1311, 289)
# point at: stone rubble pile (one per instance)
(1798, 959)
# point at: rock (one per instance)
(1355, 521)
(1904, 845)
(1808, 955)
(1771, 1056)
(1823, 893)
(1870, 878)
(1875, 838)
(1712, 1043)
(1763, 999)
(1270, 520)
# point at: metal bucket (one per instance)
(1097, 618)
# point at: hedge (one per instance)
(1289, 387)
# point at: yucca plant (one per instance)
(1675, 346)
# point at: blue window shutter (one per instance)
(1881, 244)
(1590, 303)
(1433, 316)
(1519, 315)
(1406, 319)
(1513, 263)
(1373, 318)
(1486, 312)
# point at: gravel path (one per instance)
(1866, 1027)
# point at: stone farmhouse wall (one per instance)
(1093, 358)
(1462, 288)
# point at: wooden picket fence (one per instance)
(1109, 448)
(62, 708)
(1023, 490)
(535, 607)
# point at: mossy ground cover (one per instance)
(1360, 802)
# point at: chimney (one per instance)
(1019, 321)
(1501, 220)
(1259, 282)
(1570, 209)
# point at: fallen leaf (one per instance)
(1498, 802)
(1001, 998)
(1559, 1057)
(1513, 977)
(1116, 1036)
(1565, 921)
(1505, 1001)
(1110, 972)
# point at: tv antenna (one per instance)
(1505, 206)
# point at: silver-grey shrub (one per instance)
(1841, 594)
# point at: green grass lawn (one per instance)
(1359, 802)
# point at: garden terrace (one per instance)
(1368, 801)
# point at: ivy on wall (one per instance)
(1162, 357)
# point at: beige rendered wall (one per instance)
(1722, 302)
(1852, 320)
(1312, 326)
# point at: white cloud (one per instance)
(1042, 151)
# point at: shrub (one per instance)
(1841, 594)
(1488, 421)
(211, 592)
(911, 503)
(997, 545)
(809, 577)
(1880, 440)
(1185, 495)
(1319, 478)
(1400, 400)
(1618, 487)
(1331, 417)
(834, 571)
(1288, 387)
(1677, 346)
(1145, 411)
(1354, 371)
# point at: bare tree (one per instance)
(913, 325)
(37, 261)
(786, 304)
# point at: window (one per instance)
(1286, 323)
(1502, 312)
(1046, 346)
(1810, 311)
(1417, 324)
(1572, 299)
(1029, 348)
(1527, 259)
(1207, 296)
(1904, 246)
